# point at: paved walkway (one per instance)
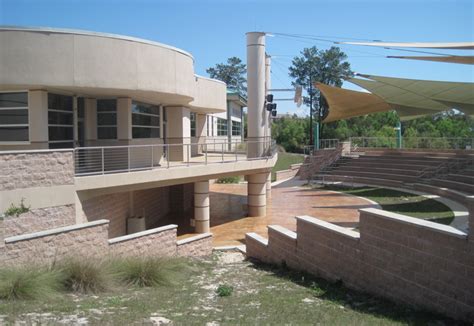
(289, 199)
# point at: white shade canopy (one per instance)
(467, 60)
(436, 45)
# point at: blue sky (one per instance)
(213, 30)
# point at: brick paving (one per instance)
(229, 222)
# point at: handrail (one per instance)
(123, 158)
(414, 142)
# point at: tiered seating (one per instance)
(404, 168)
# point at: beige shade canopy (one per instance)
(467, 60)
(448, 94)
(436, 45)
(344, 103)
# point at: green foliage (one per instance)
(233, 73)
(291, 133)
(224, 290)
(23, 283)
(146, 271)
(325, 66)
(85, 275)
(235, 179)
(14, 210)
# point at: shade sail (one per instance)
(467, 60)
(437, 45)
(344, 103)
(449, 94)
(399, 97)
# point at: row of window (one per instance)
(222, 127)
(14, 117)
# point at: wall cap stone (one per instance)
(284, 231)
(432, 226)
(258, 238)
(193, 238)
(32, 151)
(330, 226)
(142, 233)
(64, 229)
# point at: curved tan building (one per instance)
(100, 126)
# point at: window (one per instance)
(145, 120)
(14, 117)
(60, 121)
(193, 124)
(221, 127)
(236, 128)
(107, 119)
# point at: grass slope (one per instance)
(402, 203)
(262, 295)
(285, 160)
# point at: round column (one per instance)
(256, 92)
(256, 194)
(201, 207)
(269, 186)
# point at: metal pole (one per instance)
(103, 171)
(316, 136)
(399, 134)
(310, 109)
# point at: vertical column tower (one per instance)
(256, 93)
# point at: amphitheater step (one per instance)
(349, 169)
(364, 180)
(390, 176)
(455, 195)
(461, 178)
(455, 185)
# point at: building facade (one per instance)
(97, 126)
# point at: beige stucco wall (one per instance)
(96, 64)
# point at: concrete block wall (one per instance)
(39, 219)
(36, 169)
(196, 246)
(401, 258)
(91, 240)
(113, 207)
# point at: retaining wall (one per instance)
(91, 240)
(401, 258)
(289, 173)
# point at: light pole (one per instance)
(310, 110)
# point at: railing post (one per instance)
(167, 155)
(128, 148)
(152, 161)
(103, 169)
(206, 154)
(188, 152)
(222, 149)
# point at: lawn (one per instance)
(285, 160)
(261, 294)
(402, 202)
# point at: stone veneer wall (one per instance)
(196, 246)
(394, 256)
(39, 219)
(153, 203)
(36, 169)
(113, 207)
(90, 240)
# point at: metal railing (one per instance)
(413, 142)
(116, 159)
(323, 144)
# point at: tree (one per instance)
(233, 73)
(325, 66)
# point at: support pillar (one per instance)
(269, 186)
(256, 93)
(124, 119)
(201, 128)
(256, 194)
(178, 127)
(201, 207)
(90, 121)
(38, 118)
(268, 86)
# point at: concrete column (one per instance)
(178, 127)
(201, 130)
(256, 194)
(90, 120)
(256, 92)
(268, 86)
(269, 186)
(201, 207)
(38, 118)
(124, 118)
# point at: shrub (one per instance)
(224, 290)
(229, 180)
(85, 276)
(14, 210)
(28, 283)
(146, 271)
